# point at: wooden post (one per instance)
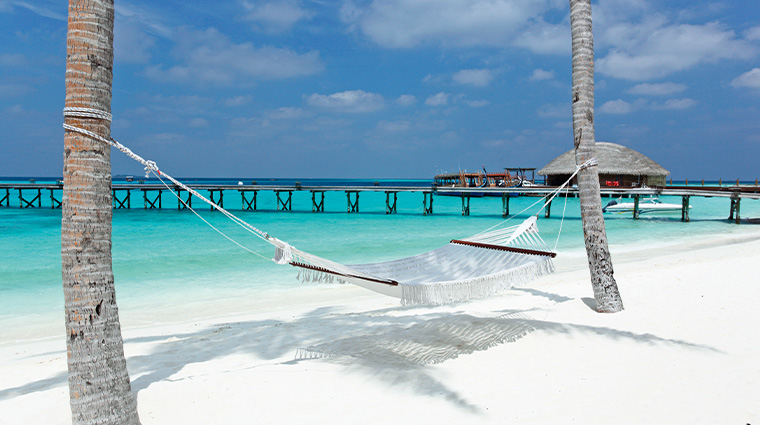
(120, 203)
(148, 204)
(287, 204)
(352, 206)
(548, 210)
(703, 182)
(390, 208)
(23, 203)
(737, 182)
(317, 206)
(505, 204)
(465, 205)
(54, 203)
(686, 182)
(186, 203)
(731, 209)
(635, 207)
(427, 209)
(249, 205)
(685, 209)
(221, 197)
(7, 198)
(720, 182)
(738, 210)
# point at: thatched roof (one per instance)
(613, 159)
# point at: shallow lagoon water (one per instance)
(167, 258)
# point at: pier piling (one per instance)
(183, 204)
(287, 204)
(149, 204)
(390, 207)
(353, 206)
(219, 202)
(120, 203)
(465, 205)
(249, 204)
(735, 210)
(54, 203)
(685, 208)
(636, 207)
(317, 206)
(6, 199)
(505, 204)
(427, 208)
(23, 203)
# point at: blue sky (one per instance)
(391, 88)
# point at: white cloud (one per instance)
(618, 107)
(47, 11)
(235, 101)
(644, 52)
(661, 89)
(556, 110)
(753, 33)
(474, 77)
(131, 42)
(545, 38)
(440, 99)
(394, 126)
(406, 100)
(748, 79)
(209, 57)
(198, 122)
(675, 104)
(353, 101)
(13, 90)
(541, 75)
(477, 103)
(409, 23)
(276, 16)
(13, 60)
(286, 113)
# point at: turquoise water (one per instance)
(167, 257)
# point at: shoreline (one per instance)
(682, 351)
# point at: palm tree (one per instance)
(605, 288)
(99, 385)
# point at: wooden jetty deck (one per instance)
(30, 195)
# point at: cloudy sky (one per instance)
(391, 88)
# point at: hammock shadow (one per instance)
(395, 345)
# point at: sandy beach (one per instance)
(685, 350)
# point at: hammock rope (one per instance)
(481, 265)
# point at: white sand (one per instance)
(685, 351)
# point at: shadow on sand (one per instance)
(396, 345)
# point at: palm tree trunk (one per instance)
(600, 264)
(98, 380)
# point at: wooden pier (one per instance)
(30, 195)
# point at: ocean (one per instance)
(169, 260)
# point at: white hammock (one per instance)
(470, 268)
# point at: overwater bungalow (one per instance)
(619, 166)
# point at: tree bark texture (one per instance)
(99, 384)
(600, 264)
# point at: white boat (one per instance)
(652, 205)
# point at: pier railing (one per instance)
(30, 195)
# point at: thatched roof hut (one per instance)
(618, 166)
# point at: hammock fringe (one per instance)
(475, 288)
